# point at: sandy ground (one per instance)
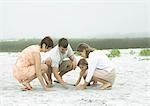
(131, 88)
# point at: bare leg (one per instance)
(49, 74)
(46, 72)
(105, 83)
(26, 83)
(84, 77)
(45, 78)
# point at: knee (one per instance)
(48, 63)
(44, 68)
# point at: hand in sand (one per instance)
(81, 87)
(48, 89)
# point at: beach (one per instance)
(131, 87)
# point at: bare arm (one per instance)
(57, 76)
(78, 81)
(74, 61)
(37, 60)
(83, 86)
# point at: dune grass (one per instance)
(114, 53)
(145, 52)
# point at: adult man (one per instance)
(55, 59)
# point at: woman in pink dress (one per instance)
(28, 65)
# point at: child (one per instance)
(100, 68)
(83, 65)
(28, 65)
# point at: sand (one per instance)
(131, 88)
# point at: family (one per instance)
(95, 66)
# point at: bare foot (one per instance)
(49, 85)
(81, 87)
(26, 89)
(48, 89)
(106, 86)
(65, 85)
(94, 85)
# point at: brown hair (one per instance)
(63, 42)
(47, 41)
(86, 47)
(82, 62)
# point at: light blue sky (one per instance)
(73, 18)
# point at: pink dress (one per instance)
(24, 67)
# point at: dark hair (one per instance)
(63, 42)
(86, 47)
(82, 62)
(47, 41)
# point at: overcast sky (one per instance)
(73, 18)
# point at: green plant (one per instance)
(114, 53)
(145, 52)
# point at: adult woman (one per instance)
(100, 67)
(28, 65)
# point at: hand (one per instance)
(74, 65)
(64, 85)
(81, 87)
(47, 89)
(49, 85)
(76, 84)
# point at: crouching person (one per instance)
(100, 68)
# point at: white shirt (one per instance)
(97, 60)
(56, 56)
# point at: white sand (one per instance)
(131, 88)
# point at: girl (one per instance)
(99, 66)
(83, 65)
(28, 65)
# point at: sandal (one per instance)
(27, 85)
(25, 89)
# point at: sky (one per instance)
(74, 18)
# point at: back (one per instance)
(99, 58)
(56, 56)
(26, 57)
(30, 49)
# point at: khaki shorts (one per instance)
(105, 75)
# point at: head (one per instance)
(63, 44)
(46, 44)
(84, 50)
(83, 64)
